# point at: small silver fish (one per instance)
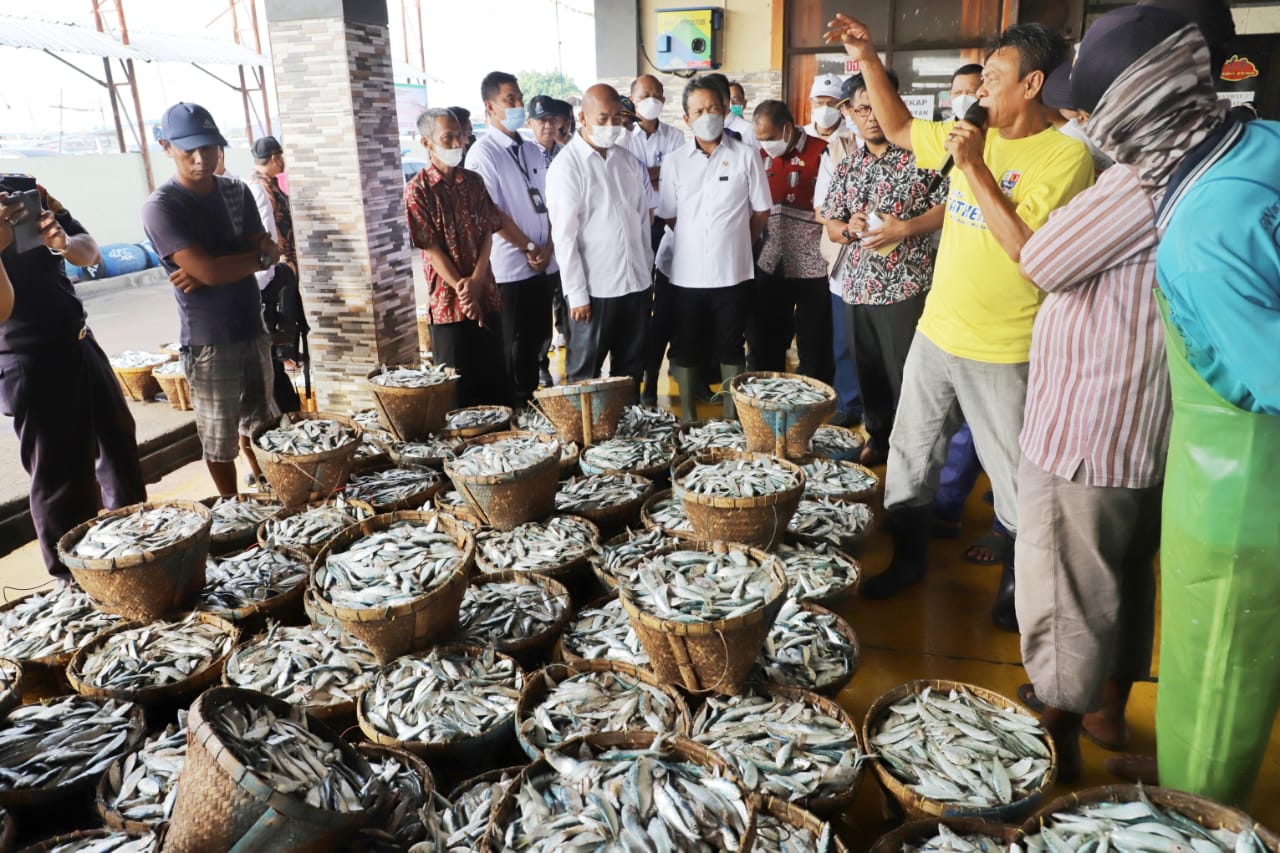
(169, 368)
(775, 836)
(605, 633)
(948, 841)
(805, 649)
(250, 577)
(409, 820)
(311, 529)
(627, 454)
(839, 523)
(701, 586)
(600, 491)
(311, 666)
(713, 435)
(143, 787)
(63, 742)
(384, 488)
(237, 515)
(108, 841)
(423, 376)
(738, 478)
(500, 613)
(476, 416)
(462, 823)
(135, 358)
(536, 545)
(389, 567)
(591, 702)
(53, 622)
(834, 478)
(153, 655)
(305, 437)
(795, 392)
(141, 531)
(503, 456)
(1136, 825)
(428, 452)
(647, 422)
(620, 560)
(816, 572)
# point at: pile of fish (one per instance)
(44, 746)
(169, 368)
(712, 435)
(835, 442)
(108, 842)
(502, 612)
(315, 526)
(9, 672)
(628, 454)
(832, 478)
(476, 417)
(949, 841)
(816, 572)
(593, 702)
(234, 515)
(312, 666)
(137, 533)
(646, 422)
(389, 567)
(739, 478)
(305, 437)
(391, 485)
(700, 586)
(783, 747)
(805, 649)
(134, 358)
(412, 377)
(154, 655)
(604, 633)
(532, 420)
(443, 697)
(373, 443)
(291, 758)
(250, 577)
(425, 452)
(369, 419)
(600, 491)
(143, 787)
(669, 514)
(536, 545)
(625, 799)
(502, 456)
(772, 389)
(961, 749)
(774, 836)
(410, 813)
(463, 822)
(1140, 825)
(620, 560)
(832, 521)
(55, 622)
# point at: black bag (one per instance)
(282, 304)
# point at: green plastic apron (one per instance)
(1220, 588)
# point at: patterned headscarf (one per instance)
(1159, 108)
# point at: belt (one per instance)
(83, 333)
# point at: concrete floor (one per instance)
(938, 629)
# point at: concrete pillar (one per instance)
(332, 63)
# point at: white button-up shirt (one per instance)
(600, 221)
(653, 149)
(744, 128)
(712, 197)
(511, 168)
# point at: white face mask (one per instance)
(960, 105)
(826, 116)
(607, 135)
(649, 108)
(1075, 130)
(451, 157)
(774, 147)
(708, 127)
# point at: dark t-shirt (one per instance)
(223, 222)
(46, 310)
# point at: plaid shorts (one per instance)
(230, 392)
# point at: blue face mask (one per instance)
(514, 119)
(737, 109)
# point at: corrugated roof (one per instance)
(149, 47)
(164, 47)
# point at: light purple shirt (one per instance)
(511, 168)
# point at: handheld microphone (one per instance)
(976, 115)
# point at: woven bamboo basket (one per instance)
(505, 501)
(562, 653)
(1205, 812)
(397, 456)
(80, 836)
(285, 608)
(857, 496)
(144, 586)
(680, 748)
(370, 462)
(105, 792)
(11, 695)
(855, 657)
(314, 614)
(478, 751)
(466, 433)
(295, 480)
(760, 520)
(570, 454)
(714, 656)
(536, 689)
(850, 542)
(237, 540)
(586, 412)
(221, 803)
(176, 388)
(840, 595)
(922, 830)
(659, 473)
(139, 383)
(413, 625)
(174, 692)
(613, 519)
(608, 581)
(45, 677)
(568, 572)
(532, 650)
(340, 715)
(288, 512)
(462, 512)
(413, 414)
(846, 455)
(375, 833)
(916, 806)
(791, 814)
(781, 428)
(415, 500)
(646, 514)
(496, 776)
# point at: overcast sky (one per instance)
(465, 39)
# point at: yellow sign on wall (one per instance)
(687, 39)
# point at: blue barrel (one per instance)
(121, 258)
(153, 260)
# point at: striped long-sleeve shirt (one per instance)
(1098, 390)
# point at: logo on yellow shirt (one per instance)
(1009, 181)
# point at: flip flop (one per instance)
(1027, 696)
(993, 542)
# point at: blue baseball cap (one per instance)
(190, 126)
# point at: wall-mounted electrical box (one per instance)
(689, 39)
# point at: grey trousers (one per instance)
(1086, 585)
(940, 392)
(617, 330)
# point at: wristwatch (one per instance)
(264, 260)
(531, 248)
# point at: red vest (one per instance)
(791, 178)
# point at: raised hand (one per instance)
(853, 34)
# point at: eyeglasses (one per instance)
(862, 112)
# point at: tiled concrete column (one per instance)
(332, 63)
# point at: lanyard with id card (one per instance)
(535, 194)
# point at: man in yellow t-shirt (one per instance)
(969, 357)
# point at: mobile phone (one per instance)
(26, 234)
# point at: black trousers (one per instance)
(786, 308)
(880, 338)
(76, 437)
(658, 334)
(719, 314)
(617, 330)
(476, 352)
(526, 329)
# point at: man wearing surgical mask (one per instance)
(598, 194)
(965, 83)
(736, 120)
(824, 101)
(522, 257)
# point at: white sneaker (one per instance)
(557, 341)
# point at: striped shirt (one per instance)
(1098, 390)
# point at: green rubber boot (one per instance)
(686, 378)
(727, 372)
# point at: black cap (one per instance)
(1114, 42)
(1056, 91)
(545, 106)
(266, 148)
(189, 126)
(1214, 19)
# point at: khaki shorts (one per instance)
(230, 392)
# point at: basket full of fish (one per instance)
(133, 368)
(413, 398)
(255, 585)
(262, 774)
(783, 827)
(823, 521)
(141, 561)
(475, 421)
(136, 793)
(619, 558)
(586, 412)
(508, 477)
(717, 434)
(462, 818)
(235, 520)
(390, 489)
(644, 455)
(664, 511)
(703, 612)
(819, 573)
(395, 581)
(947, 749)
(808, 647)
(98, 841)
(612, 500)
(408, 816)
(735, 496)
(602, 630)
(431, 451)
(648, 422)
(307, 455)
(560, 547)
(836, 442)
(43, 631)
(781, 411)
(173, 383)
(309, 528)
(838, 480)
(948, 835)
(521, 614)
